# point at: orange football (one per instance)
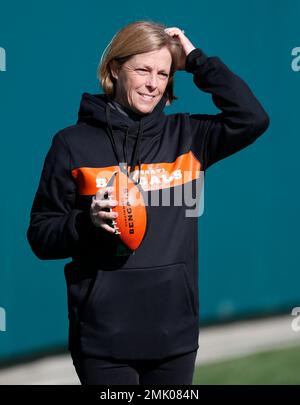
(131, 221)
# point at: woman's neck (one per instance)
(125, 110)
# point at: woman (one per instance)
(134, 316)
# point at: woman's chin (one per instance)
(144, 109)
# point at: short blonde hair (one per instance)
(135, 38)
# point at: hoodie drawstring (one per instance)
(125, 147)
(137, 154)
(136, 158)
(110, 132)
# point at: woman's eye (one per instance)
(145, 70)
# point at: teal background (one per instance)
(249, 238)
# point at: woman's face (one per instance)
(142, 80)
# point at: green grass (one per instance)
(281, 366)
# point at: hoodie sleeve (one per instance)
(242, 119)
(57, 230)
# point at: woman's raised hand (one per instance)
(186, 44)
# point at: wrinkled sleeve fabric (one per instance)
(242, 119)
(57, 230)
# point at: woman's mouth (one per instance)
(146, 97)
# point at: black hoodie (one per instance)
(144, 305)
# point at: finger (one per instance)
(104, 215)
(107, 228)
(174, 31)
(98, 205)
(104, 192)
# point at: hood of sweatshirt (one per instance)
(100, 110)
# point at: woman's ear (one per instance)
(113, 69)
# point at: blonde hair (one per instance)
(135, 38)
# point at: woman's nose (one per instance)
(152, 80)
